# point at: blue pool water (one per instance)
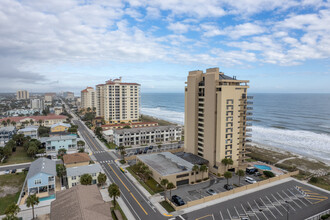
(47, 198)
(263, 167)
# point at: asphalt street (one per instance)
(22, 166)
(138, 204)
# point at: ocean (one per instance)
(299, 123)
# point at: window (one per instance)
(73, 177)
(182, 175)
(93, 174)
(38, 181)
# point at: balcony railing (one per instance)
(248, 124)
(249, 113)
(249, 119)
(248, 140)
(249, 108)
(249, 97)
(248, 130)
(249, 103)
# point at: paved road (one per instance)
(139, 205)
(21, 166)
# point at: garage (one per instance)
(182, 182)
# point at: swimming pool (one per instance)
(262, 167)
(47, 198)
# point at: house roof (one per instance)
(42, 165)
(58, 138)
(78, 171)
(8, 129)
(145, 129)
(61, 124)
(34, 118)
(29, 128)
(80, 203)
(76, 158)
(129, 124)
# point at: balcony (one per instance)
(249, 113)
(249, 118)
(249, 97)
(249, 103)
(248, 140)
(248, 130)
(249, 108)
(248, 124)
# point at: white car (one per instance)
(7, 171)
(250, 180)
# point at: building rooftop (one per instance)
(58, 138)
(75, 158)
(129, 124)
(145, 129)
(166, 163)
(78, 171)
(7, 129)
(80, 203)
(42, 165)
(34, 118)
(29, 128)
(61, 124)
(192, 158)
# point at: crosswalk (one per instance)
(105, 161)
(99, 152)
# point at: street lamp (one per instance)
(287, 210)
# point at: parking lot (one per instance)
(198, 191)
(147, 150)
(290, 200)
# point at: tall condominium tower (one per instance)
(88, 98)
(22, 94)
(216, 118)
(117, 101)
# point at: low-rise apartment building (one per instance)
(147, 135)
(74, 173)
(166, 165)
(40, 120)
(132, 125)
(29, 131)
(6, 133)
(60, 127)
(55, 143)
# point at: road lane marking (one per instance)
(204, 217)
(221, 215)
(138, 203)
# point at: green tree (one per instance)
(8, 121)
(203, 169)
(228, 175)
(98, 132)
(86, 179)
(13, 123)
(102, 178)
(268, 173)
(122, 151)
(170, 186)
(62, 151)
(61, 171)
(31, 122)
(240, 173)
(32, 150)
(195, 169)
(31, 201)
(81, 143)
(11, 211)
(40, 122)
(164, 183)
(114, 192)
(81, 150)
(227, 162)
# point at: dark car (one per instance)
(13, 171)
(26, 169)
(251, 170)
(151, 147)
(228, 187)
(140, 151)
(257, 174)
(49, 157)
(177, 200)
(136, 152)
(146, 150)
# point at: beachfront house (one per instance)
(29, 131)
(41, 176)
(55, 143)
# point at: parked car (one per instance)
(136, 152)
(26, 169)
(13, 171)
(228, 187)
(211, 192)
(49, 157)
(177, 200)
(251, 170)
(146, 150)
(7, 171)
(250, 180)
(151, 147)
(140, 151)
(257, 174)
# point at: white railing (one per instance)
(318, 216)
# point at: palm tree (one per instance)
(114, 192)
(195, 168)
(203, 169)
(88, 109)
(8, 121)
(4, 123)
(121, 150)
(61, 171)
(102, 178)
(164, 183)
(240, 173)
(11, 211)
(228, 175)
(227, 162)
(40, 121)
(170, 186)
(146, 174)
(13, 123)
(31, 122)
(86, 179)
(31, 201)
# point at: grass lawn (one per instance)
(14, 180)
(117, 207)
(20, 156)
(167, 206)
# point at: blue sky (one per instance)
(280, 46)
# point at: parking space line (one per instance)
(236, 211)
(297, 197)
(260, 210)
(244, 209)
(268, 208)
(229, 214)
(285, 201)
(274, 206)
(278, 201)
(291, 199)
(221, 215)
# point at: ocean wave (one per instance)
(172, 116)
(306, 143)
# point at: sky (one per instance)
(281, 46)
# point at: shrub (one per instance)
(314, 180)
(326, 216)
(286, 167)
(122, 161)
(269, 173)
(192, 182)
(198, 181)
(206, 178)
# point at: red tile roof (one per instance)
(35, 118)
(129, 124)
(75, 158)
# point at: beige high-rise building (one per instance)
(216, 118)
(88, 98)
(22, 94)
(117, 101)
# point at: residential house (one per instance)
(74, 173)
(80, 203)
(55, 143)
(76, 159)
(6, 133)
(41, 176)
(60, 127)
(29, 131)
(42, 120)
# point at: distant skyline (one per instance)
(281, 46)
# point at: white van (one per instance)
(250, 180)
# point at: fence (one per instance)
(318, 216)
(230, 192)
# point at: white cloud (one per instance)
(178, 27)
